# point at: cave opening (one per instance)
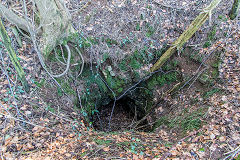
(125, 116)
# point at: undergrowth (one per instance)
(185, 121)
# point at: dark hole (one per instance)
(124, 116)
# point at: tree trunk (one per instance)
(55, 23)
(53, 27)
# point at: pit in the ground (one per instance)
(124, 116)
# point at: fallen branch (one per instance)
(187, 34)
(232, 154)
(7, 43)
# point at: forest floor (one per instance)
(32, 129)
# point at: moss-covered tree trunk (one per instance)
(235, 9)
(7, 43)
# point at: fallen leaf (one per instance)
(106, 149)
(68, 155)
(135, 157)
(174, 152)
(222, 138)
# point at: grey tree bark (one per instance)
(54, 24)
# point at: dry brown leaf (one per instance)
(135, 157)
(8, 141)
(68, 155)
(106, 149)
(30, 146)
(174, 152)
(222, 138)
(5, 129)
(19, 146)
(71, 135)
(15, 139)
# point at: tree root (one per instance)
(13, 18)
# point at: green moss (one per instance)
(185, 120)
(49, 108)
(105, 57)
(215, 73)
(103, 142)
(135, 64)
(111, 42)
(161, 80)
(40, 84)
(152, 82)
(123, 66)
(37, 19)
(59, 92)
(66, 86)
(114, 82)
(161, 121)
(211, 92)
(191, 123)
(136, 75)
(150, 31)
(119, 90)
(196, 57)
(211, 37)
(215, 65)
(138, 27)
(47, 52)
(168, 66)
(207, 44)
(148, 92)
(171, 77)
(101, 85)
(68, 89)
(140, 55)
(212, 33)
